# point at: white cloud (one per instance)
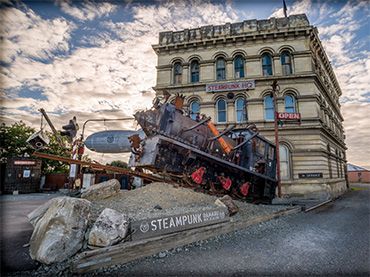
(297, 8)
(25, 34)
(86, 10)
(113, 74)
(357, 132)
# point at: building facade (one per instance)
(358, 174)
(227, 71)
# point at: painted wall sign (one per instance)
(310, 175)
(174, 223)
(242, 85)
(289, 116)
(20, 162)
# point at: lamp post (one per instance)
(275, 90)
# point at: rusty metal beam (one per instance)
(99, 166)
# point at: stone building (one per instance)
(226, 72)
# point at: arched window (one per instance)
(194, 109)
(221, 110)
(177, 73)
(290, 104)
(285, 168)
(194, 68)
(286, 63)
(239, 67)
(266, 64)
(220, 69)
(241, 110)
(269, 107)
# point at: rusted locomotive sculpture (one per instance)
(238, 162)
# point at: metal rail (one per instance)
(51, 125)
(98, 166)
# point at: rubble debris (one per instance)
(110, 228)
(230, 204)
(102, 190)
(60, 232)
(219, 203)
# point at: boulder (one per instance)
(39, 212)
(59, 233)
(110, 228)
(102, 190)
(229, 203)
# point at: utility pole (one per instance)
(275, 91)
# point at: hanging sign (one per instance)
(289, 116)
(242, 85)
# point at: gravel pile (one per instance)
(153, 200)
(159, 199)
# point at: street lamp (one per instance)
(275, 91)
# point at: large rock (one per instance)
(110, 228)
(102, 190)
(59, 233)
(39, 212)
(229, 203)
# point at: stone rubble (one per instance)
(138, 204)
(110, 228)
(102, 190)
(59, 232)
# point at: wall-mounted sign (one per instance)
(289, 116)
(20, 162)
(242, 85)
(169, 224)
(311, 175)
(26, 173)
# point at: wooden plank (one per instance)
(129, 251)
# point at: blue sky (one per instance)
(94, 59)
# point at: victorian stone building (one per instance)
(226, 72)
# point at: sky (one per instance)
(95, 60)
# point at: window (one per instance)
(177, 73)
(329, 161)
(286, 62)
(285, 170)
(194, 68)
(269, 107)
(290, 104)
(221, 111)
(241, 110)
(239, 67)
(220, 69)
(266, 64)
(194, 109)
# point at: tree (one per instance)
(13, 140)
(54, 148)
(13, 144)
(118, 163)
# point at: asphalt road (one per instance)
(16, 231)
(331, 240)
